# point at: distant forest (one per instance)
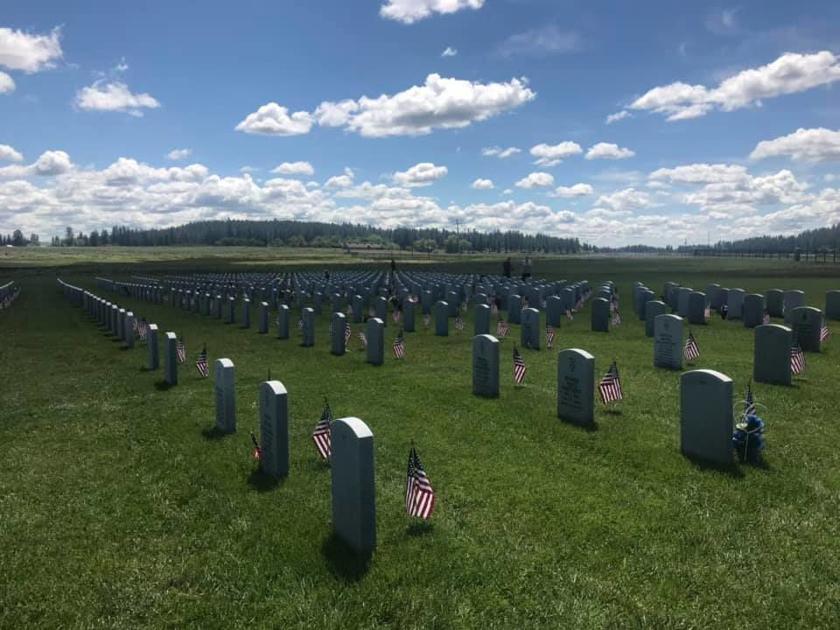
(311, 234)
(810, 240)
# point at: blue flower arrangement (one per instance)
(748, 439)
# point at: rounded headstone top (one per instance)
(153, 327)
(224, 363)
(486, 337)
(352, 425)
(578, 351)
(704, 373)
(276, 387)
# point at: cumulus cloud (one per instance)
(10, 154)
(701, 173)
(790, 73)
(421, 174)
(114, 97)
(499, 152)
(552, 155)
(410, 11)
(482, 184)
(813, 145)
(28, 52)
(7, 84)
(294, 168)
(626, 199)
(608, 151)
(274, 120)
(48, 163)
(449, 52)
(341, 181)
(576, 190)
(544, 40)
(536, 180)
(179, 154)
(440, 103)
(617, 116)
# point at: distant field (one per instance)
(118, 510)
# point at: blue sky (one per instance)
(651, 122)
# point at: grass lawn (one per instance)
(119, 509)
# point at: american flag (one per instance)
(691, 351)
(399, 346)
(707, 313)
(550, 333)
(348, 333)
(825, 333)
(300, 324)
(569, 315)
(321, 434)
(749, 403)
(143, 329)
(459, 323)
(579, 304)
(519, 367)
(797, 359)
(257, 452)
(494, 310)
(371, 312)
(502, 328)
(765, 319)
(396, 315)
(426, 319)
(181, 351)
(419, 495)
(363, 339)
(609, 387)
(616, 319)
(201, 363)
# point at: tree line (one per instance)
(313, 234)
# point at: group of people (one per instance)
(507, 268)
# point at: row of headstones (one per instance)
(705, 395)
(8, 294)
(120, 323)
(351, 459)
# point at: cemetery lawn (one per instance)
(120, 508)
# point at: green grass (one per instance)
(117, 510)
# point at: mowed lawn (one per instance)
(118, 507)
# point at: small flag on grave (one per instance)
(797, 359)
(519, 367)
(396, 315)
(399, 346)
(321, 434)
(348, 333)
(256, 453)
(609, 387)
(502, 329)
(419, 495)
(426, 319)
(201, 363)
(363, 339)
(691, 351)
(765, 319)
(749, 402)
(181, 350)
(616, 319)
(569, 315)
(707, 313)
(825, 333)
(550, 333)
(459, 323)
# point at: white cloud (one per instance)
(482, 184)
(500, 152)
(617, 116)
(536, 180)
(10, 154)
(440, 103)
(7, 84)
(410, 11)
(48, 163)
(790, 73)
(577, 190)
(294, 168)
(341, 181)
(421, 174)
(274, 120)
(626, 199)
(114, 97)
(701, 173)
(544, 40)
(28, 52)
(552, 155)
(179, 154)
(813, 145)
(449, 52)
(608, 151)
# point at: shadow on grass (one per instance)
(588, 428)
(214, 433)
(163, 386)
(732, 469)
(146, 368)
(261, 481)
(345, 562)
(420, 528)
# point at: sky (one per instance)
(614, 122)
